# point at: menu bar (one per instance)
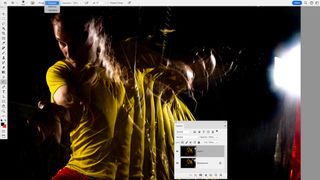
(161, 3)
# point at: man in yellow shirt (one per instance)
(120, 123)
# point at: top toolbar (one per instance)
(160, 3)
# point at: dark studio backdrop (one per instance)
(245, 37)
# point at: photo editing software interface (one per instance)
(200, 149)
(231, 67)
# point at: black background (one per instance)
(246, 36)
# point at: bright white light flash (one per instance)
(286, 73)
(189, 74)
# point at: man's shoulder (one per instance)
(61, 64)
(60, 69)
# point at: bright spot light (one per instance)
(189, 74)
(286, 71)
(213, 61)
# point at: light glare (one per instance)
(287, 71)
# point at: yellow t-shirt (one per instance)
(131, 134)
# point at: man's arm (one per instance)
(65, 96)
(65, 110)
(52, 120)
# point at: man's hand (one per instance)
(49, 121)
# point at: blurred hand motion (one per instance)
(49, 121)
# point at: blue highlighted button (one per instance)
(296, 3)
(52, 3)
